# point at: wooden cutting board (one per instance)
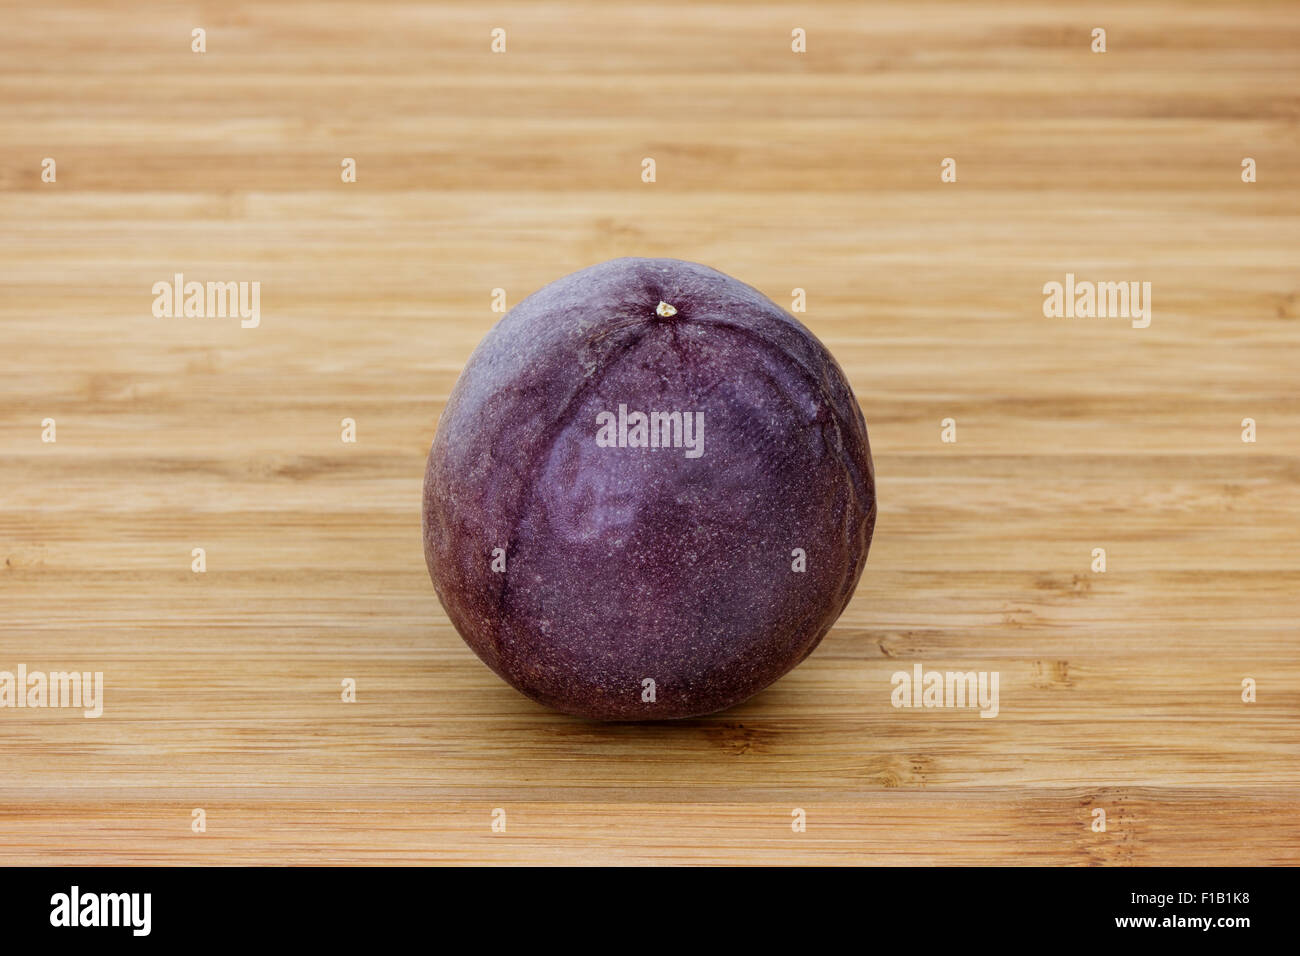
(1120, 691)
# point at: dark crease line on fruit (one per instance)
(857, 484)
(528, 485)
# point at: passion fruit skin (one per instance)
(637, 583)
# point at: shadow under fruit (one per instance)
(650, 494)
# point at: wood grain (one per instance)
(1119, 691)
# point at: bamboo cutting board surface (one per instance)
(1120, 691)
